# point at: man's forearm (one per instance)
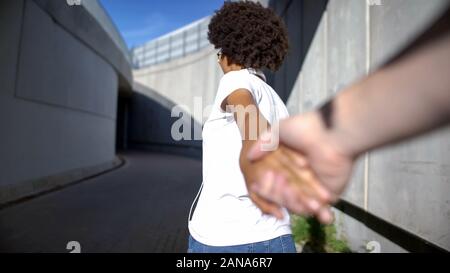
(405, 98)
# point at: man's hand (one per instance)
(307, 136)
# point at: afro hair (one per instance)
(249, 35)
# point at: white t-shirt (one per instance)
(225, 215)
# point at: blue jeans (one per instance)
(282, 244)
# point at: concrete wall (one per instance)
(407, 185)
(190, 82)
(60, 73)
(302, 19)
(182, 80)
(150, 124)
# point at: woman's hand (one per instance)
(280, 170)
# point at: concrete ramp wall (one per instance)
(60, 75)
(406, 185)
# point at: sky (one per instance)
(142, 20)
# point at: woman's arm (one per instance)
(249, 119)
(251, 124)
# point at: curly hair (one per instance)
(249, 35)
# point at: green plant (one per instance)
(316, 237)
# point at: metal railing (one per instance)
(177, 44)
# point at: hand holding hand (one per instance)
(319, 158)
(281, 169)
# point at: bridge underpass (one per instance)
(61, 124)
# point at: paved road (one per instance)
(141, 207)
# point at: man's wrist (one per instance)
(328, 133)
(337, 121)
(326, 113)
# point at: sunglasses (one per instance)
(219, 54)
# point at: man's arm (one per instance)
(409, 95)
(406, 98)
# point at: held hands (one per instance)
(307, 172)
(283, 175)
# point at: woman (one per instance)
(249, 37)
